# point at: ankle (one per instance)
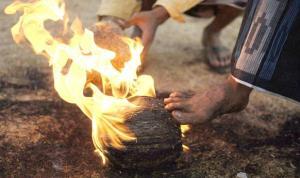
(238, 88)
(210, 36)
(212, 29)
(236, 96)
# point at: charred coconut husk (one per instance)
(158, 138)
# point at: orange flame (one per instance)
(81, 56)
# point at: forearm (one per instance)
(160, 14)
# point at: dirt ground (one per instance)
(42, 136)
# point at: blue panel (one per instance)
(279, 40)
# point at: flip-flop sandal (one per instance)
(214, 49)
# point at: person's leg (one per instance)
(217, 54)
(200, 107)
(147, 4)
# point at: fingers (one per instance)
(147, 24)
(134, 20)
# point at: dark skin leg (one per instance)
(217, 54)
(202, 106)
(147, 4)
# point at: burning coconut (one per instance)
(98, 74)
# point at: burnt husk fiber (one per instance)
(158, 140)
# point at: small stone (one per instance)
(241, 175)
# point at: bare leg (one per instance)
(217, 54)
(200, 107)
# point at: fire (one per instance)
(184, 129)
(73, 59)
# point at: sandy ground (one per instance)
(42, 136)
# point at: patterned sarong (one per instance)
(267, 52)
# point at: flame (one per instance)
(73, 59)
(184, 129)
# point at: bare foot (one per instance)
(200, 107)
(217, 55)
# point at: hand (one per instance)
(148, 21)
